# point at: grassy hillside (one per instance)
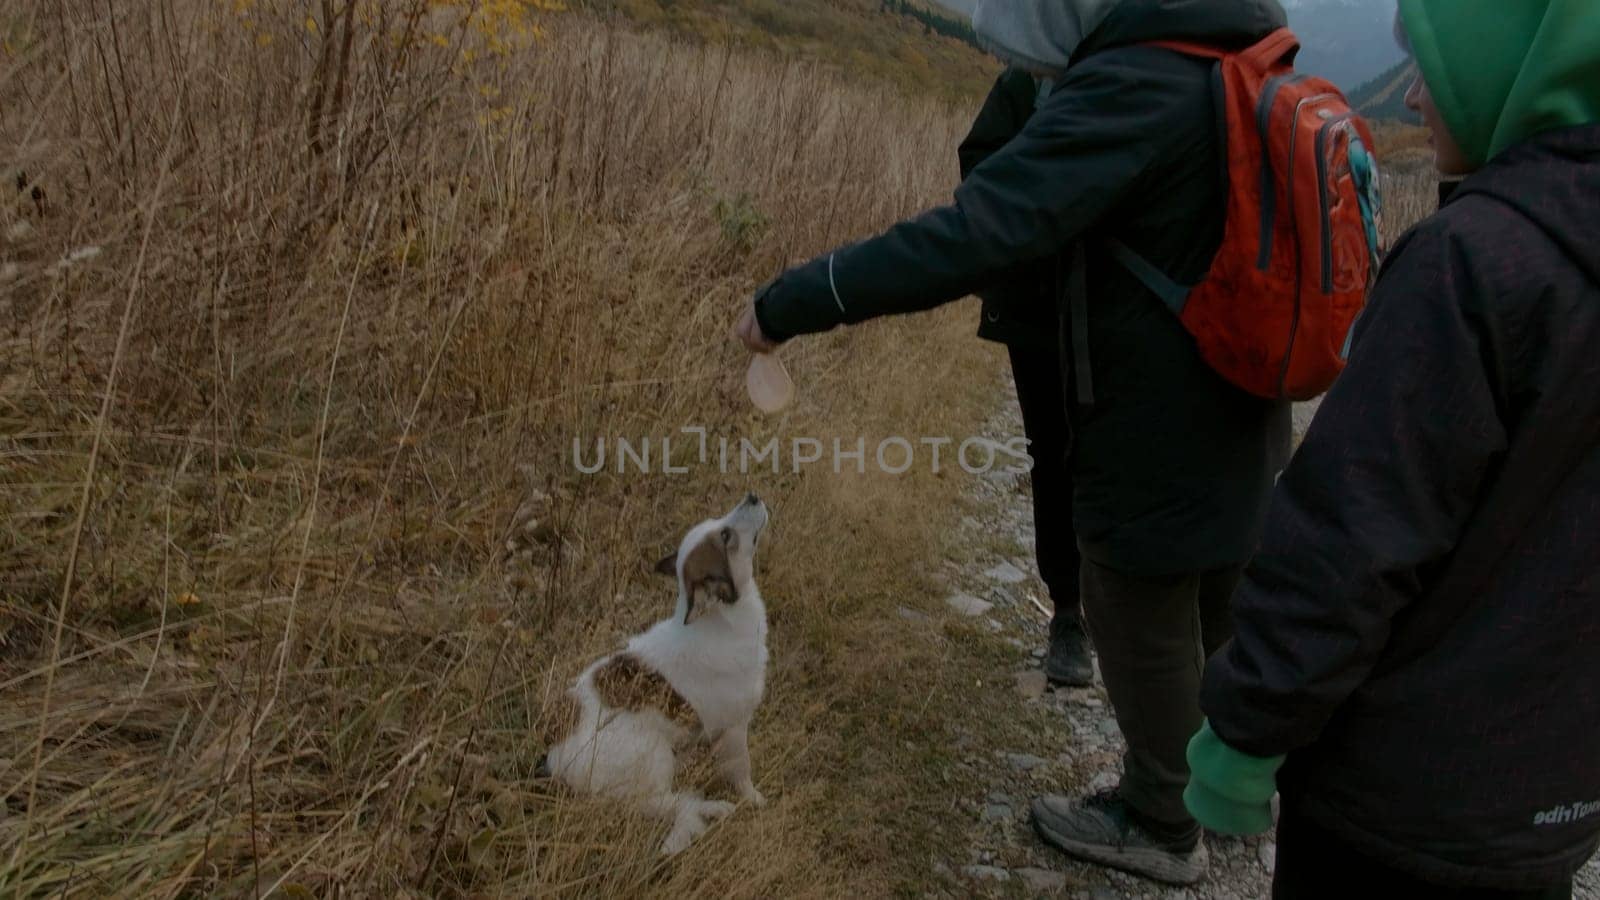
(1384, 97)
(1402, 141)
(912, 45)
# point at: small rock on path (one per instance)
(968, 605)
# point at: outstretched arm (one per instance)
(1088, 143)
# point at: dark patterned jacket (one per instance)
(1421, 630)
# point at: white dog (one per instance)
(696, 676)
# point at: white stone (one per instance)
(1031, 684)
(1042, 881)
(1024, 762)
(1267, 852)
(996, 812)
(987, 873)
(968, 605)
(1006, 573)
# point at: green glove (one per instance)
(1229, 792)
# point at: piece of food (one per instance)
(771, 388)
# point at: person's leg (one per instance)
(1044, 422)
(1314, 864)
(1561, 891)
(1147, 632)
(1310, 865)
(1216, 608)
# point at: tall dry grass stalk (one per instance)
(1410, 194)
(304, 305)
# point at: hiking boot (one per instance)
(1067, 662)
(1101, 829)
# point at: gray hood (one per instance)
(1043, 36)
(1039, 36)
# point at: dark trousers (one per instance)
(1154, 636)
(1044, 422)
(1315, 865)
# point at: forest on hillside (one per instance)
(912, 45)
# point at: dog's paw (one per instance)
(715, 809)
(753, 797)
(677, 842)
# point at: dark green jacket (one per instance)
(1172, 466)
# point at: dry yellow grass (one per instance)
(352, 293)
(299, 327)
(1410, 194)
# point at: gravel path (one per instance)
(1068, 740)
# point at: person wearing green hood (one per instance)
(1413, 668)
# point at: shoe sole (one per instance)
(1073, 682)
(1147, 862)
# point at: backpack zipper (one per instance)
(1294, 323)
(1322, 185)
(1269, 187)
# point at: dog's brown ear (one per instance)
(668, 565)
(706, 570)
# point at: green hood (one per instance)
(1502, 71)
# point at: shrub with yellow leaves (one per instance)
(503, 25)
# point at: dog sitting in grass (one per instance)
(697, 676)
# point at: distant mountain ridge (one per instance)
(1348, 42)
(934, 20)
(923, 47)
(1384, 98)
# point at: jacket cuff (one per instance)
(1229, 791)
(801, 301)
(1239, 718)
(768, 330)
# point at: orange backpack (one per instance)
(1300, 246)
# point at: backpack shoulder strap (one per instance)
(1264, 54)
(1191, 49)
(1174, 295)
